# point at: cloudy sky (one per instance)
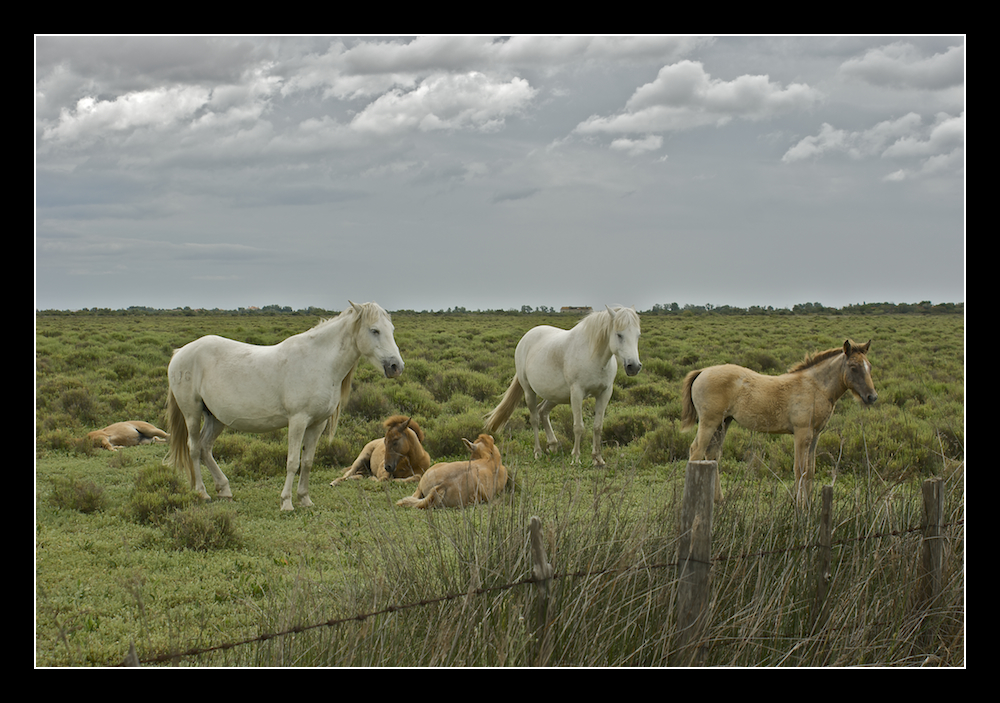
(490, 173)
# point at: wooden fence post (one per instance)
(542, 572)
(932, 546)
(823, 574)
(693, 560)
(931, 573)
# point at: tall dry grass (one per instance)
(460, 598)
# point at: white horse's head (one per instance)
(624, 338)
(373, 334)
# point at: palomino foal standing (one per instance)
(799, 403)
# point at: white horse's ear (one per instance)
(353, 304)
(610, 311)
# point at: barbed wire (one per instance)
(529, 580)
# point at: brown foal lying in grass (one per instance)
(457, 484)
(127, 434)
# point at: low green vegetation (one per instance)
(125, 552)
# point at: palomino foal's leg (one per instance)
(707, 445)
(804, 439)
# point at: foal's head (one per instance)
(397, 440)
(858, 372)
(483, 448)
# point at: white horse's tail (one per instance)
(501, 413)
(179, 454)
(345, 395)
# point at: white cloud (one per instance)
(91, 118)
(468, 101)
(946, 135)
(685, 96)
(937, 148)
(370, 68)
(904, 137)
(858, 144)
(634, 147)
(900, 65)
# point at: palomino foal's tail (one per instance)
(419, 500)
(689, 414)
(498, 417)
(179, 454)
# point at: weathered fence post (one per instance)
(693, 560)
(823, 575)
(931, 573)
(932, 546)
(542, 572)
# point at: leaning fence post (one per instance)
(693, 559)
(541, 572)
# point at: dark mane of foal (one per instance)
(813, 359)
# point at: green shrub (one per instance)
(476, 384)
(76, 494)
(666, 444)
(622, 426)
(79, 404)
(368, 401)
(159, 491)
(202, 528)
(411, 399)
(444, 439)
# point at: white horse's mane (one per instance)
(599, 325)
(370, 313)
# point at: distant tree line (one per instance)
(810, 309)
(923, 307)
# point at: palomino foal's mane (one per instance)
(813, 359)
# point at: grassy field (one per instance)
(124, 554)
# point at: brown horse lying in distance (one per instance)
(457, 484)
(127, 434)
(399, 455)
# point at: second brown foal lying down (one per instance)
(457, 484)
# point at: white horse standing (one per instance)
(566, 366)
(299, 383)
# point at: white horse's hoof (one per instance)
(286, 504)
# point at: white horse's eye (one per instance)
(375, 332)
